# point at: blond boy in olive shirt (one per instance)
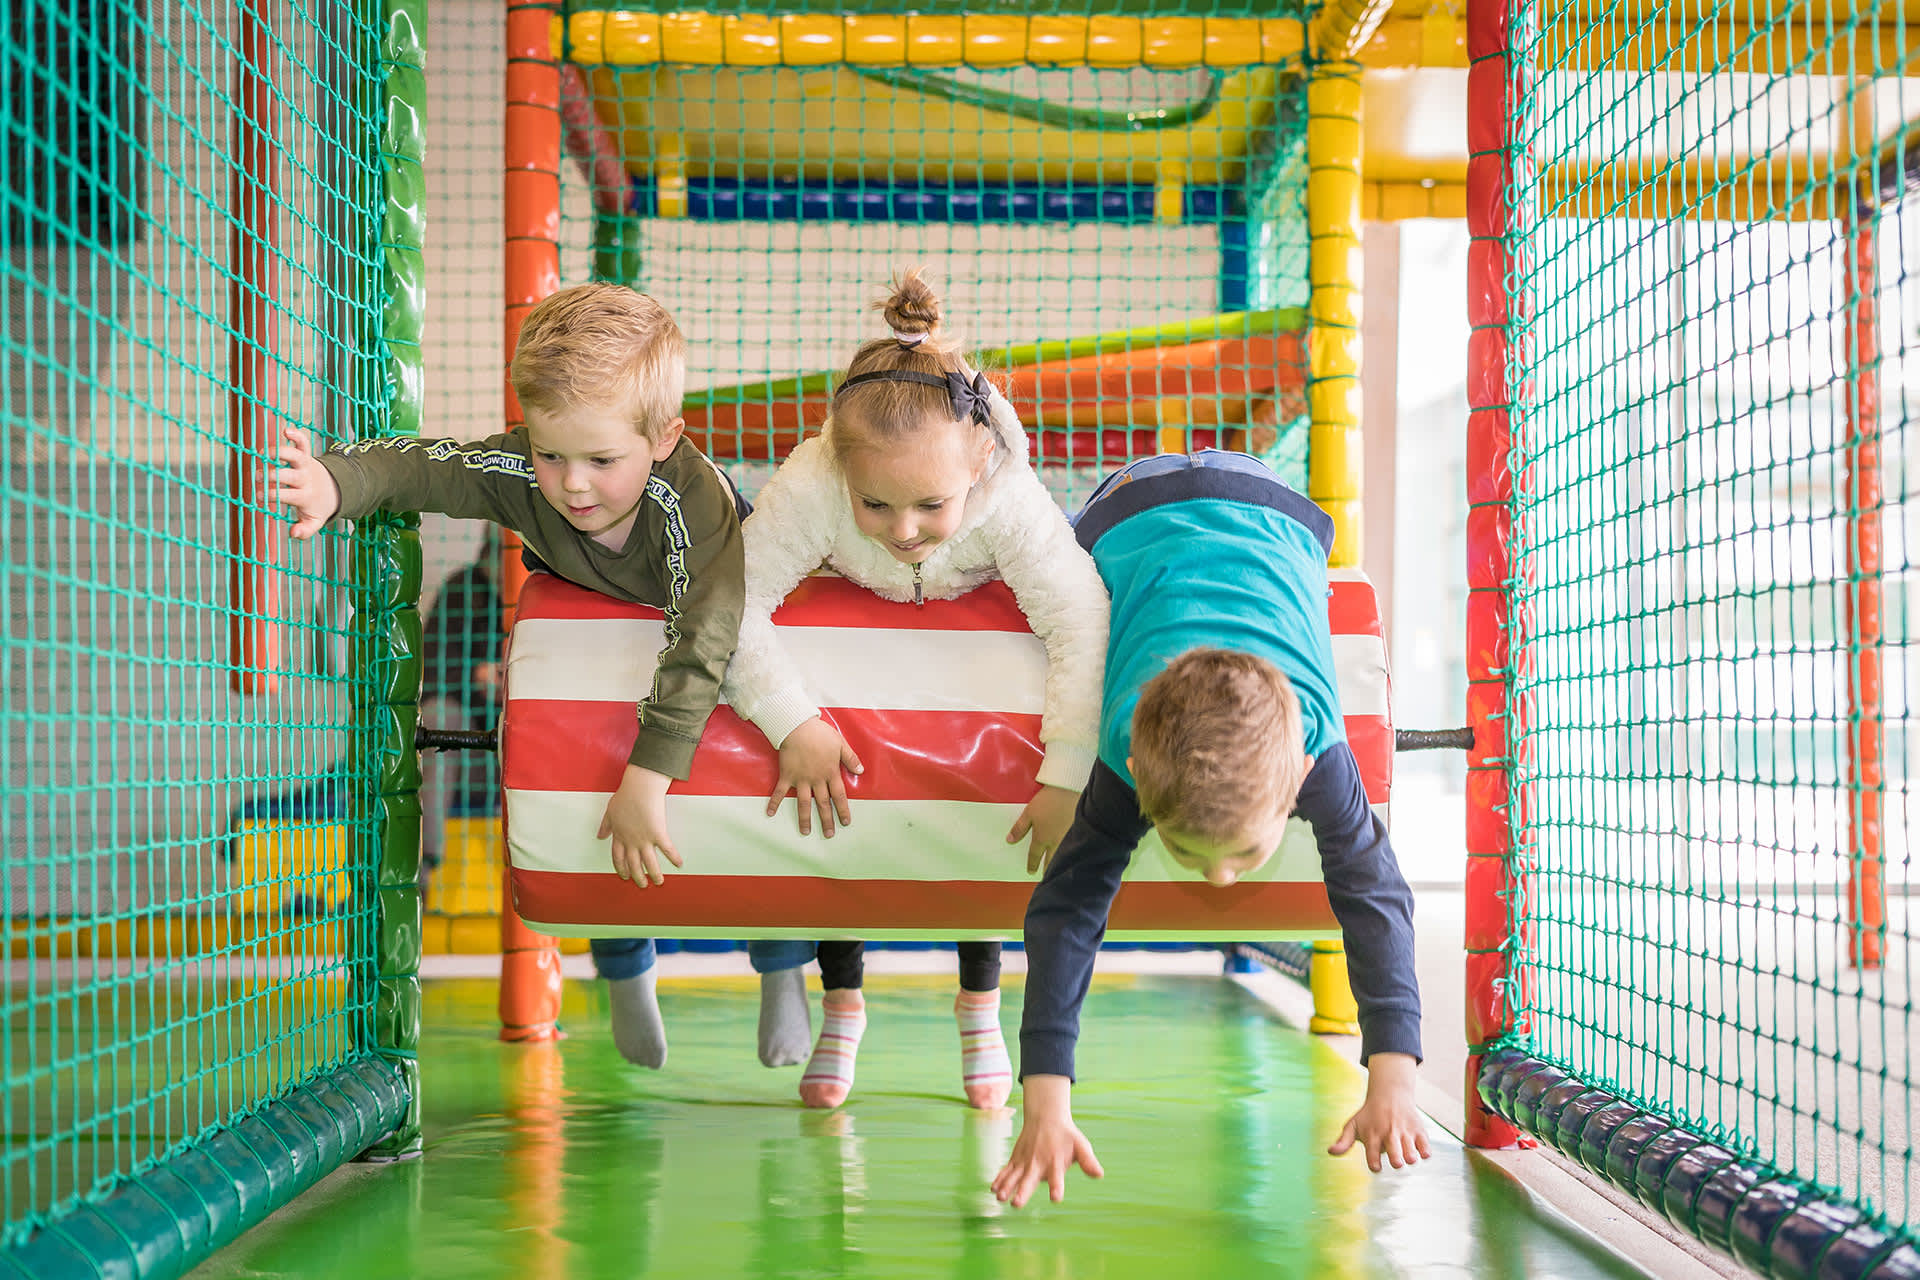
(606, 492)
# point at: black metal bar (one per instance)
(1433, 739)
(425, 739)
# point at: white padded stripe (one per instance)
(606, 660)
(603, 660)
(1360, 670)
(927, 840)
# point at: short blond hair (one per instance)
(606, 346)
(1218, 744)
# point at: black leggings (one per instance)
(843, 965)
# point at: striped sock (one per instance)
(829, 1075)
(985, 1069)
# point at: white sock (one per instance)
(786, 1020)
(638, 1032)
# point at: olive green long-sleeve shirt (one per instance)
(683, 555)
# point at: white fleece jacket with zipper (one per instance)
(1012, 530)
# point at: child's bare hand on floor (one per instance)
(1047, 816)
(1049, 1144)
(636, 819)
(1388, 1125)
(303, 484)
(811, 759)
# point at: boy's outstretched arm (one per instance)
(1066, 920)
(1375, 909)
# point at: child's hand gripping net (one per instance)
(941, 703)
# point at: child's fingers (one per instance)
(297, 438)
(1420, 1145)
(823, 797)
(1344, 1143)
(606, 829)
(1037, 855)
(849, 761)
(1373, 1147)
(803, 796)
(1088, 1162)
(1057, 1183)
(305, 529)
(838, 791)
(1021, 825)
(650, 863)
(780, 790)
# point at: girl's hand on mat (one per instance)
(1048, 816)
(636, 818)
(1388, 1124)
(303, 484)
(1047, 1145)
(810, 762)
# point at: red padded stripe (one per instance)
(815, 902)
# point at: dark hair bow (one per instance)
(970, 399)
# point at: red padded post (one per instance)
(529, 962)
(1492, 879)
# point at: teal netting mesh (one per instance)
(188, 232)
(1714, 535)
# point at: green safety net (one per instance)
(191, 209)
(792, 195)
(1713, 542)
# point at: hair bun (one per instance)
(913, 307)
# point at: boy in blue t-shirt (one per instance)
(1220, 718)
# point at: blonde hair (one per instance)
(602, 345)
(883, 414)
(1218, 744)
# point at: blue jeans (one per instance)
(618, 958)
(774, 955)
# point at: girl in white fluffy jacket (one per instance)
(917, 488)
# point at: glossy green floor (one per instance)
(1210, 1116)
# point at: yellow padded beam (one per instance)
(619, 38)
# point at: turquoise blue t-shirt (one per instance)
(1214, 573)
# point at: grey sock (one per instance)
(637, 1030)
(786, 1021)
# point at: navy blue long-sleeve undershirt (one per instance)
(1067, 915)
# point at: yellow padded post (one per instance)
(629, 39)
(752, 40)
(935, 40)
(993, 40)
(692, 37)
(812, 39)
(877, 39)
(670, 178)
(1333, 392)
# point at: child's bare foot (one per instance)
(829, 1075)
(985, 1069)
